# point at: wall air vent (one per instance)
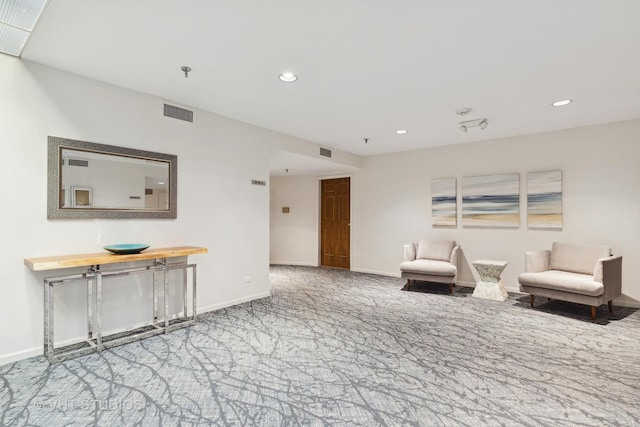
(178, 113)
(79, 162)
(325, 152)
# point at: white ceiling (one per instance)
(365, 67)
(284, 163)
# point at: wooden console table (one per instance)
(95, 341)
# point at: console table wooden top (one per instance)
(100, 258)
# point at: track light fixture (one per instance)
(481, 123)
(464, 126)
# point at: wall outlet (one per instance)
(246, 279)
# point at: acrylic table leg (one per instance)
(98, 307)
(155, 298)
(166, 296)
(194, 291)
(184, 293)
(90, 307)
(45, 324)
(48, 320)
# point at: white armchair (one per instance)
(582, 274)
(431, 261)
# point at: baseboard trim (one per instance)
(20, 355)
(37, 351)
(230, 303)
(626, 302)
(379, 273)
(301, 264)
(465, 284)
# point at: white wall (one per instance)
(391, 201)
(294, 235)
(217, 206)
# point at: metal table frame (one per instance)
(95, 341)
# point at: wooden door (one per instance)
(335, 222)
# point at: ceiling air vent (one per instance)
(325, 152)
(178, 113)
(78, 162)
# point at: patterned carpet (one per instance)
(333, 347)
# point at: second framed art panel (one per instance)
(544, 199)
(491, 201)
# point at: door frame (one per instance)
(319, 213)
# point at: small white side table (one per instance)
(490, 286)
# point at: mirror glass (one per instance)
(90, 180)
(107, 181)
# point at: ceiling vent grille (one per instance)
(325, 152)
(178, 113)
(78, 162)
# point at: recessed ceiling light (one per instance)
(401, 131)
(562, 103)
(288, 77)
(161, 182)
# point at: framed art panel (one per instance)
(443, 202)
(491, 201)
(544, 199)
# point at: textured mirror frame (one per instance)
(55, 211)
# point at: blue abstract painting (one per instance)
(544, 199)
(491, 201)
(443, 202)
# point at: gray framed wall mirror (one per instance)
(89, 180)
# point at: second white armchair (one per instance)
(431, 261)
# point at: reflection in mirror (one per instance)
(88, 180)
(113, 182)
(80, 197)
